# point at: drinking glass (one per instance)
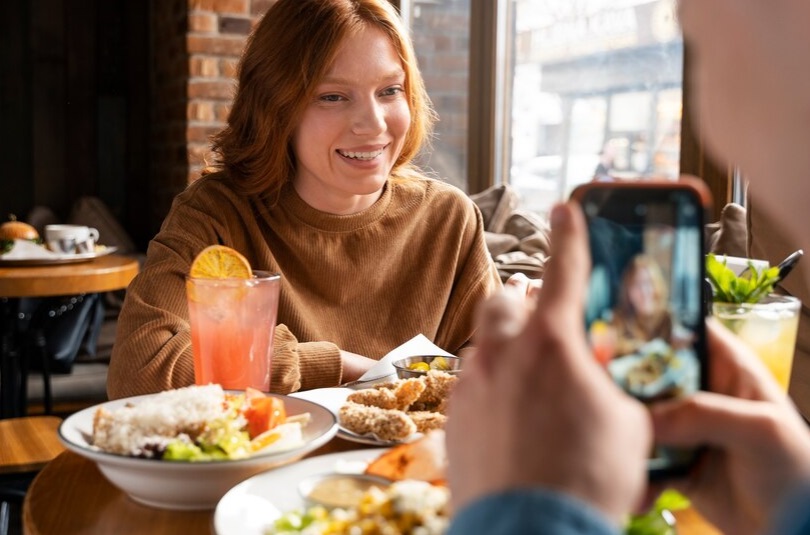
(768, 327)
(232, 327)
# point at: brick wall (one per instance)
(441, 37)
(196, 47)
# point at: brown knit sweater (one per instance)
(414, 262)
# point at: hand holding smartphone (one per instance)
(645, 310)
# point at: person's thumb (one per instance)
(710, 419)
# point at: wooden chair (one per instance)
(28, 444)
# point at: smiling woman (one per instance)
(314, 180)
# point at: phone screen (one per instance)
(645, 308)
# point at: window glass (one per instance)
(596, 94)
(441, 34)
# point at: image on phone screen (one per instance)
(645, 314)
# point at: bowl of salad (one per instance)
(184, 449)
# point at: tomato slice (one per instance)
(264, 413)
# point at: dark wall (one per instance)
(74, 107)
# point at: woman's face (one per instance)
(354, 128)
(642, 293)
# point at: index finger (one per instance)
(566, 276)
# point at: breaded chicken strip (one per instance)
(408, 391)
(397, 395)
(385, 424)
(425, 420)
(438, 385)
(375, 397)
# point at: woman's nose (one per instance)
(369, 119)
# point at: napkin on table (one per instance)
(418, 345)
(333, 398)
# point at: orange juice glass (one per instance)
(232, 326)
(768, 327)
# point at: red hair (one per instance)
(287, 55)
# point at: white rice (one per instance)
(137, 429)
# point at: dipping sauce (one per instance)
(340, 490)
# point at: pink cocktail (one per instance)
(232, 326)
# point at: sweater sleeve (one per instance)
(530, 511)
(303, 365)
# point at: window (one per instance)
(562, 90)
(596, 94)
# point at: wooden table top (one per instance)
(102, 274)
(29, 443)
(70, 496)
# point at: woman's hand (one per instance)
(354, 365)
(523, 285)
(758, 444)
(534, 409)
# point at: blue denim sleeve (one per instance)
(793, 516)
(528, 511)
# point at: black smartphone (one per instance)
(645, 313)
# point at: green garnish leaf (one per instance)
(671, 500)
(655, 521)
(751, 287)
(6, 246)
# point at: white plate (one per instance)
(333, 399)
(372, 440)
(251, 506)
(57, 258)
(182, 484)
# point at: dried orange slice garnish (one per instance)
(220, 262)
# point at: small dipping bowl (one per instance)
(339, 490)
(404, 367)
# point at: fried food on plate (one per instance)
(385, 424)
(426, 420)
(420, 401)
(374, 397)
(424, 459)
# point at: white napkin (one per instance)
(25, 249)
(418, 345)
(334, 397)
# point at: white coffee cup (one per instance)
(71, 239)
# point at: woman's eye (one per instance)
(391, 91)
(330, 98)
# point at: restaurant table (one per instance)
(102, 274)
(71, 497)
